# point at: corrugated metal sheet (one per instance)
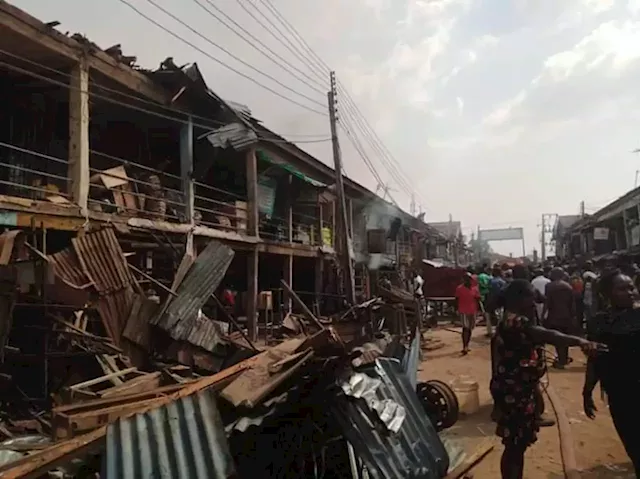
(235, 135)
(184, 439)
(103, 262)
(411, 360)
(415, 451)
(180, 318)
(10, 242)
(67, 267)
(137, 325)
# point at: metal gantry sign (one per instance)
(503, 234)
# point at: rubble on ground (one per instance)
(126, 381)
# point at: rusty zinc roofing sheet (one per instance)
(180, 318)
(184, 439)
(67, 267)
(103, 261)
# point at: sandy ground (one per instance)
(598, 449)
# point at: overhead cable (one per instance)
(246, 35)
(220, 62)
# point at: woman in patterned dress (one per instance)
(520, 365)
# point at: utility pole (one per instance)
(413, 204)
(582, 208)
(347, 262)
(543, 251)
(548, 222)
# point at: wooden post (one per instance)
(288, 277)
(319, 270)
(186, 169)
(320, 224)
(252, 230)
(290, 211)
(350, 216)
(345, 238)
(627, 233)
(252, 294)
(78, 168)
(252, 192)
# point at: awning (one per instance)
(289, 168)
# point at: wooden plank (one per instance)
(37, 464)
(146, 382)
(480, 453)
(252, 295)
(308, 314)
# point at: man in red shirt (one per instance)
(467, 297)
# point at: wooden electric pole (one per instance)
(543, 238)
(345, 240)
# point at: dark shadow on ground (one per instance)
(610, 471)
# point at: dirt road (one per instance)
(598, 449)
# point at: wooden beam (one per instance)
(287, 274)
(252, 192)
(290, 210)
(320, 224)
(305, 310)
(37, 464)
(78, 168)
(252, 294)
(186, 168)
(319, 276)
(23, 24)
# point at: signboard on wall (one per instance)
(503, 234)
(266, 195)
(600, 234)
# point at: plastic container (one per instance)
(466, 390)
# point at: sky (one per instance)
(495, 112)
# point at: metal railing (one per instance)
(129, 188)
(21, 177)
(305, 229)
(220, 209)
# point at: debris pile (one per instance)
(121, 383)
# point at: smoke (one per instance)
(379, 215)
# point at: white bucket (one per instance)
(466, 390)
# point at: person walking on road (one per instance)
(540, 282)
(560, 311)
(418, 294)
(618, 328)
(496, 286)
(520, 365)
(484, 286)
(467, 299)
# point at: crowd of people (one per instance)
(525, 308)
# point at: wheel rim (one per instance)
(439, 403)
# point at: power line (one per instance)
(320, 64)
(284, 64)
(135, 107)
(280, 37)
(235, 57)
(358, 124)
(387, 158)
(220, 62)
